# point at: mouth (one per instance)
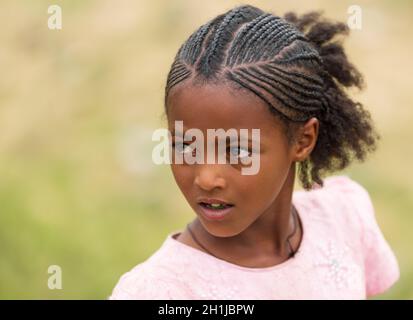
(214, 209)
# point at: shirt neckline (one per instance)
(300, 251)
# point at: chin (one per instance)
(218, 229)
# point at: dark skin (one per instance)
(255, 233)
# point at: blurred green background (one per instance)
(77, 108)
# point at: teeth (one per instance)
(215, 205)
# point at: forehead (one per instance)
(220, 106)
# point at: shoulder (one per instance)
(340, 198)
(349, 201)
(345, 207)
(144, 284)
(154, 279)
(349, 189)
(346, 210)
(343, 187)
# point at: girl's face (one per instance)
(213, 107)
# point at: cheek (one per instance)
(183, 176)
(274, 168)
(267, 183)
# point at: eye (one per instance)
(182, 147)
(239, 152)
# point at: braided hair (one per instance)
(297, 66)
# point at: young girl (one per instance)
(254, 237)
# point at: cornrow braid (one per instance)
(194, 44)
(296, 65)
(267, 36)
(251, 36)
(239, 40)
(210, 60)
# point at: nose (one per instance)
(209, 177)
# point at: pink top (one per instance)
(343, 255)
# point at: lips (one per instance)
(215, 206)
(213, 200)
(215, 209)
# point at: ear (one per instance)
(306, 139)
